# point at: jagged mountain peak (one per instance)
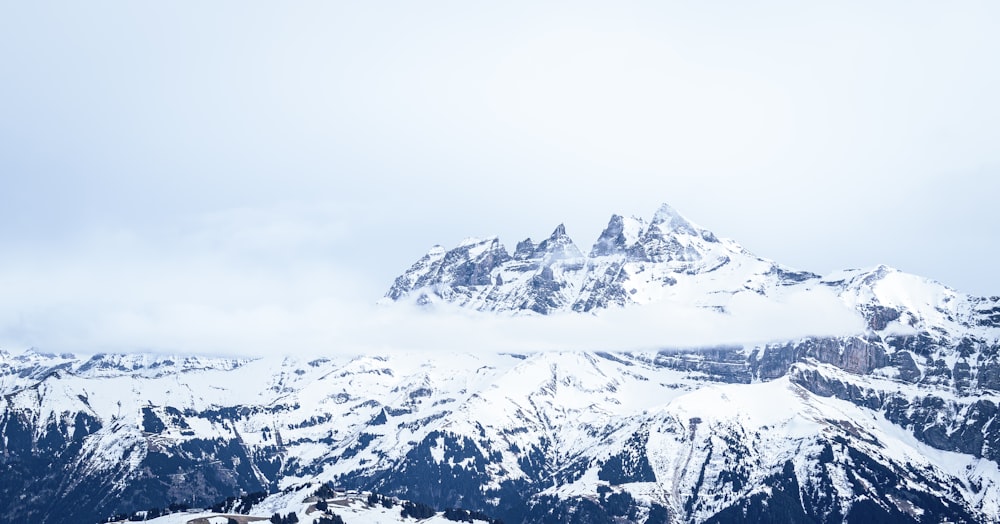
(527, 248)
(620, 235)
(670, 220)
(478, 241)
(558, 246)
(524, 249)
(670, 259)
(670, 227)
(633, 261)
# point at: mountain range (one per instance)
(896, 421)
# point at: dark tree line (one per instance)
(374, 499)
(332, 519)
(148, 514)
(464, 515)
(291, 518)
(417, 510)
(242, 504)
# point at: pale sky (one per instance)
(259, 158)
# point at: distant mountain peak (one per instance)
(558, 246)
(672, 220)
(671, 259)
(620, 234)
(555, 274)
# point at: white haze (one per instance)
(256, 295)
(326, 326)
(250, 176)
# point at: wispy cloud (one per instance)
(124, 293)
(749, 319)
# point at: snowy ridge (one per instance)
(632, 262)
(564, 426)
(307, 503)
(672, 260)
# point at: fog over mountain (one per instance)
(664, 375)
(170, 158)
(372, 263)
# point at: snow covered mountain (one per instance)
(897, 422)
(631, 263)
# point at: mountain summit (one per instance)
(632, 262)
(670, 259)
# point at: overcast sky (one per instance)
(261, 158)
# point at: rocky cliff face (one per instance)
(632, 262)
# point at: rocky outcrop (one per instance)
(629, 260)
(617, 237)
(724, 364)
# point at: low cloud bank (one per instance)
(325, 325)
(748, 319)
(223, 288)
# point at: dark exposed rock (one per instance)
(879, 317)
(603, 291)
(772, 361)
(852, 354)
(936, 372)
(922, 344)
(906, 366)
(654, 246)
(524, 250)
(468, 271)
(989, 374)
(988, 312)
(725, 364)
(818, 383)
(612, 239)
(543, 292)
(788, 277)
(949, 425)
(961, 374)
(967, 347)
(557, 247)
(470, 264)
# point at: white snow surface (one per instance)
(576, 409)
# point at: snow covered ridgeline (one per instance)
(306, 504)
(670, 260)
(776, 446)
(527, 438)
(632, 262)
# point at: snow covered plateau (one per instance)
(895, 421)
